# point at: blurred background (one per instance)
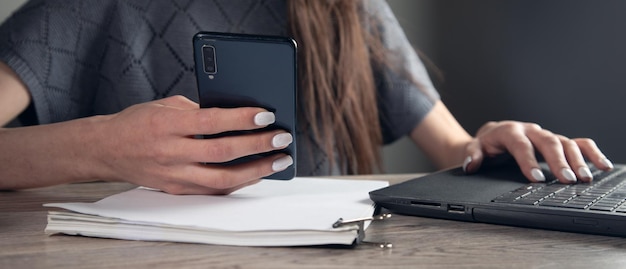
(558, 63)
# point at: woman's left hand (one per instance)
(565, 157)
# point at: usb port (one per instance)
(456, 208)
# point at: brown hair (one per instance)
(337, 91)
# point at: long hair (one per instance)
(337, 91)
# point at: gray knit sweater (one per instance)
(80, 58)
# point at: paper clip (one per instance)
(361, 230)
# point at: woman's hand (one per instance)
(443, 139)
(150, 144)
(153, 145)
(565, 157)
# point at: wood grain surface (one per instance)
(417, 243)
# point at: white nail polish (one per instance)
(584, 172)
(282, 140)
(264, 118)
(538, 175)
(606, 163)
(282, 163)
(568, 174)
(467, 161)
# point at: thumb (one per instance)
(474, 157)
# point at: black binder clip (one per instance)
(361, 229)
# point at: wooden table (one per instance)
(417, 242)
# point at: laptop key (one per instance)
(552, 203)
(601, 208)
(574, 205)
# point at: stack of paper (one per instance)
(271, 213)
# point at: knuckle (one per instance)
(261, 146)
(207, 119)
(569, 143)
(533, 126)
(550, 141)
(245, 116)
(161, 155)
(520, 142)
(222, 180)
(489, 125)
(585, 141)
(219, 151)
(509, 127)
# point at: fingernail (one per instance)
(282, 163)
(282, 140)
(606, 163)
(538, 175)
(264, 118)
(568, 174)
(585, 172)
(466, 162)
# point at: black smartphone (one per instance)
(240, 70)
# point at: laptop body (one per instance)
(499, 195)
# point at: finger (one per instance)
(497, 138)
(218, 120)
(219, 179)
(589, 148)
(228, 148)
(551, 148)
(186, 188)
(575, 159)
(522, 150)
(230, 178)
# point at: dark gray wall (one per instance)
(560, 63)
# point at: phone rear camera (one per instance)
(208, 57)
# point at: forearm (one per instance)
(48, 154)
(14, 97)
(441, 137)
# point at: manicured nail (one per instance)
(538, 175)
(606, 163)
(282, 140)
(466, 162)
(568, 174)
(585, 172)
(282, 163)
(264, 118)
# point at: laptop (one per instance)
(502, 195)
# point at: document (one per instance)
(297, 212)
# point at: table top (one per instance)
(417, 242)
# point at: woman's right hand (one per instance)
(153, 145)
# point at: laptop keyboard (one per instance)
(607, 192)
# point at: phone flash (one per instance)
(211, 77)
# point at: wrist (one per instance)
(87, 142)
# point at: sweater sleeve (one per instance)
(53, 48)
(405, 92)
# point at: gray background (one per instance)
(559, 63)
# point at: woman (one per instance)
(107, 87)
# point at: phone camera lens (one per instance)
(208, 56)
